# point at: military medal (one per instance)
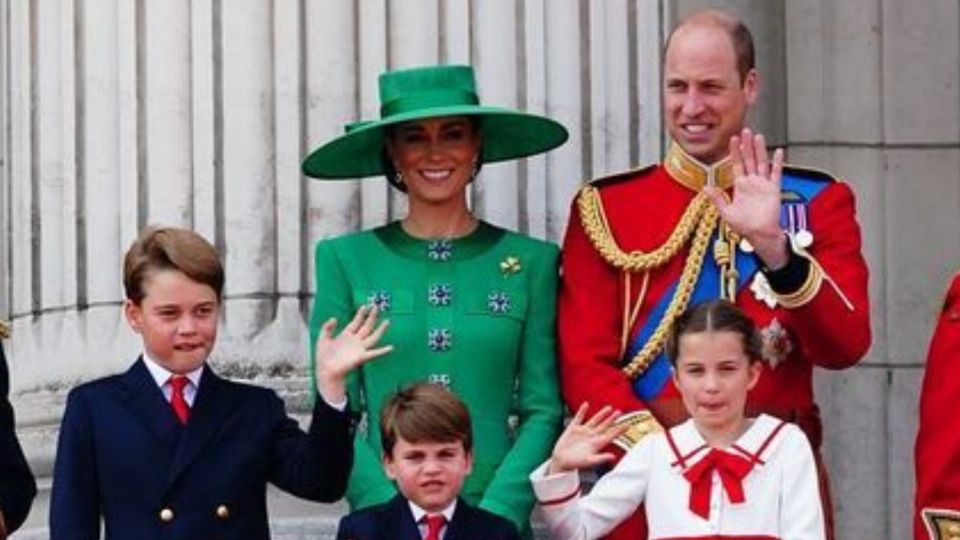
(776, 343)
(796, 224)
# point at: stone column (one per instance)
(119, 114)
(873, 97)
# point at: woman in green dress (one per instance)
(470, 305)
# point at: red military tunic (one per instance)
(826, 325)
(938, 441)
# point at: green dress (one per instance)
(475, 314)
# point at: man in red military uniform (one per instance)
(937, 513)
(715, 219)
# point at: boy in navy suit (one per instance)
(427, 451)
(169, 449)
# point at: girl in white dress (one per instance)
(718, 475)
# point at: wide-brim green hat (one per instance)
(432, 92)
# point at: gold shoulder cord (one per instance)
(698, 220)
(598, 230)
(688, 278)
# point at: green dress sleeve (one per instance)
(509, 493)
(368, 483)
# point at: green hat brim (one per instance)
(507, 134)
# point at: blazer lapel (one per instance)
(213, 404)
(400, 523)
(459, 527)
(145, 399)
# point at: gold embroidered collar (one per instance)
(693, 174)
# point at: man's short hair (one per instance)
(425, 413)
(740, 36)
(170, 248)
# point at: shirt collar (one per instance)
(693, 447)
(418, 512)
(692, 173)
(161, 374)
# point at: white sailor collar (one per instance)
(757, 443)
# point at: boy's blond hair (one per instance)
(425, 412)
(171, 248)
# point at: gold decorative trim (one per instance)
(597, 229)
(642, 423)
(836, 288)
(695, 226)
(681, 297)
(941, 523)
(694, 174)
(810, 287)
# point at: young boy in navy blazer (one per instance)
(427, 451)
(169, 449)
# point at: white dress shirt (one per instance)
(161, 376)
(419, 513)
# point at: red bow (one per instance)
(730, 467)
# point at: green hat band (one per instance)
(422, 93)
(426, 100)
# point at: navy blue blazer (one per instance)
(123, 455)
(393, 520)
(17, 487)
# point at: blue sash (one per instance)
(798, 191)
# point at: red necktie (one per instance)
(730, 467)
(434, 526)
(177, 401)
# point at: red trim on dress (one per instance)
(681, 459)
(561, 500)
(755, 457)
